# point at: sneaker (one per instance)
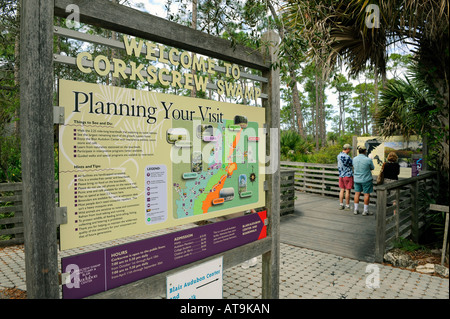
(253, 262)
(365, 213)
(347, 208)
(341, 207)
(249, 263)
(355, 212)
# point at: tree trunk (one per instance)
(375, 130)
(194, 26)
(16, 70)
(443, 89)
(341, 115)
(323, 125)
(296, 106)
(293, 122)
(114, 80)
(317, 112)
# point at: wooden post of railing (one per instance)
(397, 212)
(322, 169)
(18, 214)
(380, 240)
(415, 211)
(437, 183)
(304, 177)
(444, 242)
(445, 209)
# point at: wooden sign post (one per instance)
(36, 126)
(41, 217)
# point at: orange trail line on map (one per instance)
(231, 167)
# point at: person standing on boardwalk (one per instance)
(363, 167)
(345, 168)
(391, 168)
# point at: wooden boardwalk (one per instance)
(318, 224)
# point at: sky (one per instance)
(157, 8)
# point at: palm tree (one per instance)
(407, 108)
(337, 32)
(341, 28)
(402, 106)
(291, 142)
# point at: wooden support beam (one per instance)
(380, 240)
(415, 211)
(442, 208)
(116, 17)
(155, 286)
(439, 208)
(36, 126)
(271, 259)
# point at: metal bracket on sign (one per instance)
(64, 278)
(58, 115)
(61, 215)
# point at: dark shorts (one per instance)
(346, 182)
(365, 188)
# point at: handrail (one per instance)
(13, 203)
(317, 178)
(406, 181)
(399, 205)
(287, 163)
(405, 203)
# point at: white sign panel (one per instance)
(201, 282)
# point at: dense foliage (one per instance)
(9, 93)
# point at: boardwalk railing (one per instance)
(400, 206)
(287, 191)
(11, 225)
(316, 178)
(11, 217)
(401, 209)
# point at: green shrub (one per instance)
(10, 161)
(292, 145)
(407, 245)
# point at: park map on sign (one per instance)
(134, 161)
(226, 177)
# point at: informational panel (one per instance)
(378, 149)
(200, 282)
(133, 161)
(100, 270)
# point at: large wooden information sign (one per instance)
(132, 161)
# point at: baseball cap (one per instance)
(346, 146)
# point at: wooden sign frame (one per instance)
(37, 129)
